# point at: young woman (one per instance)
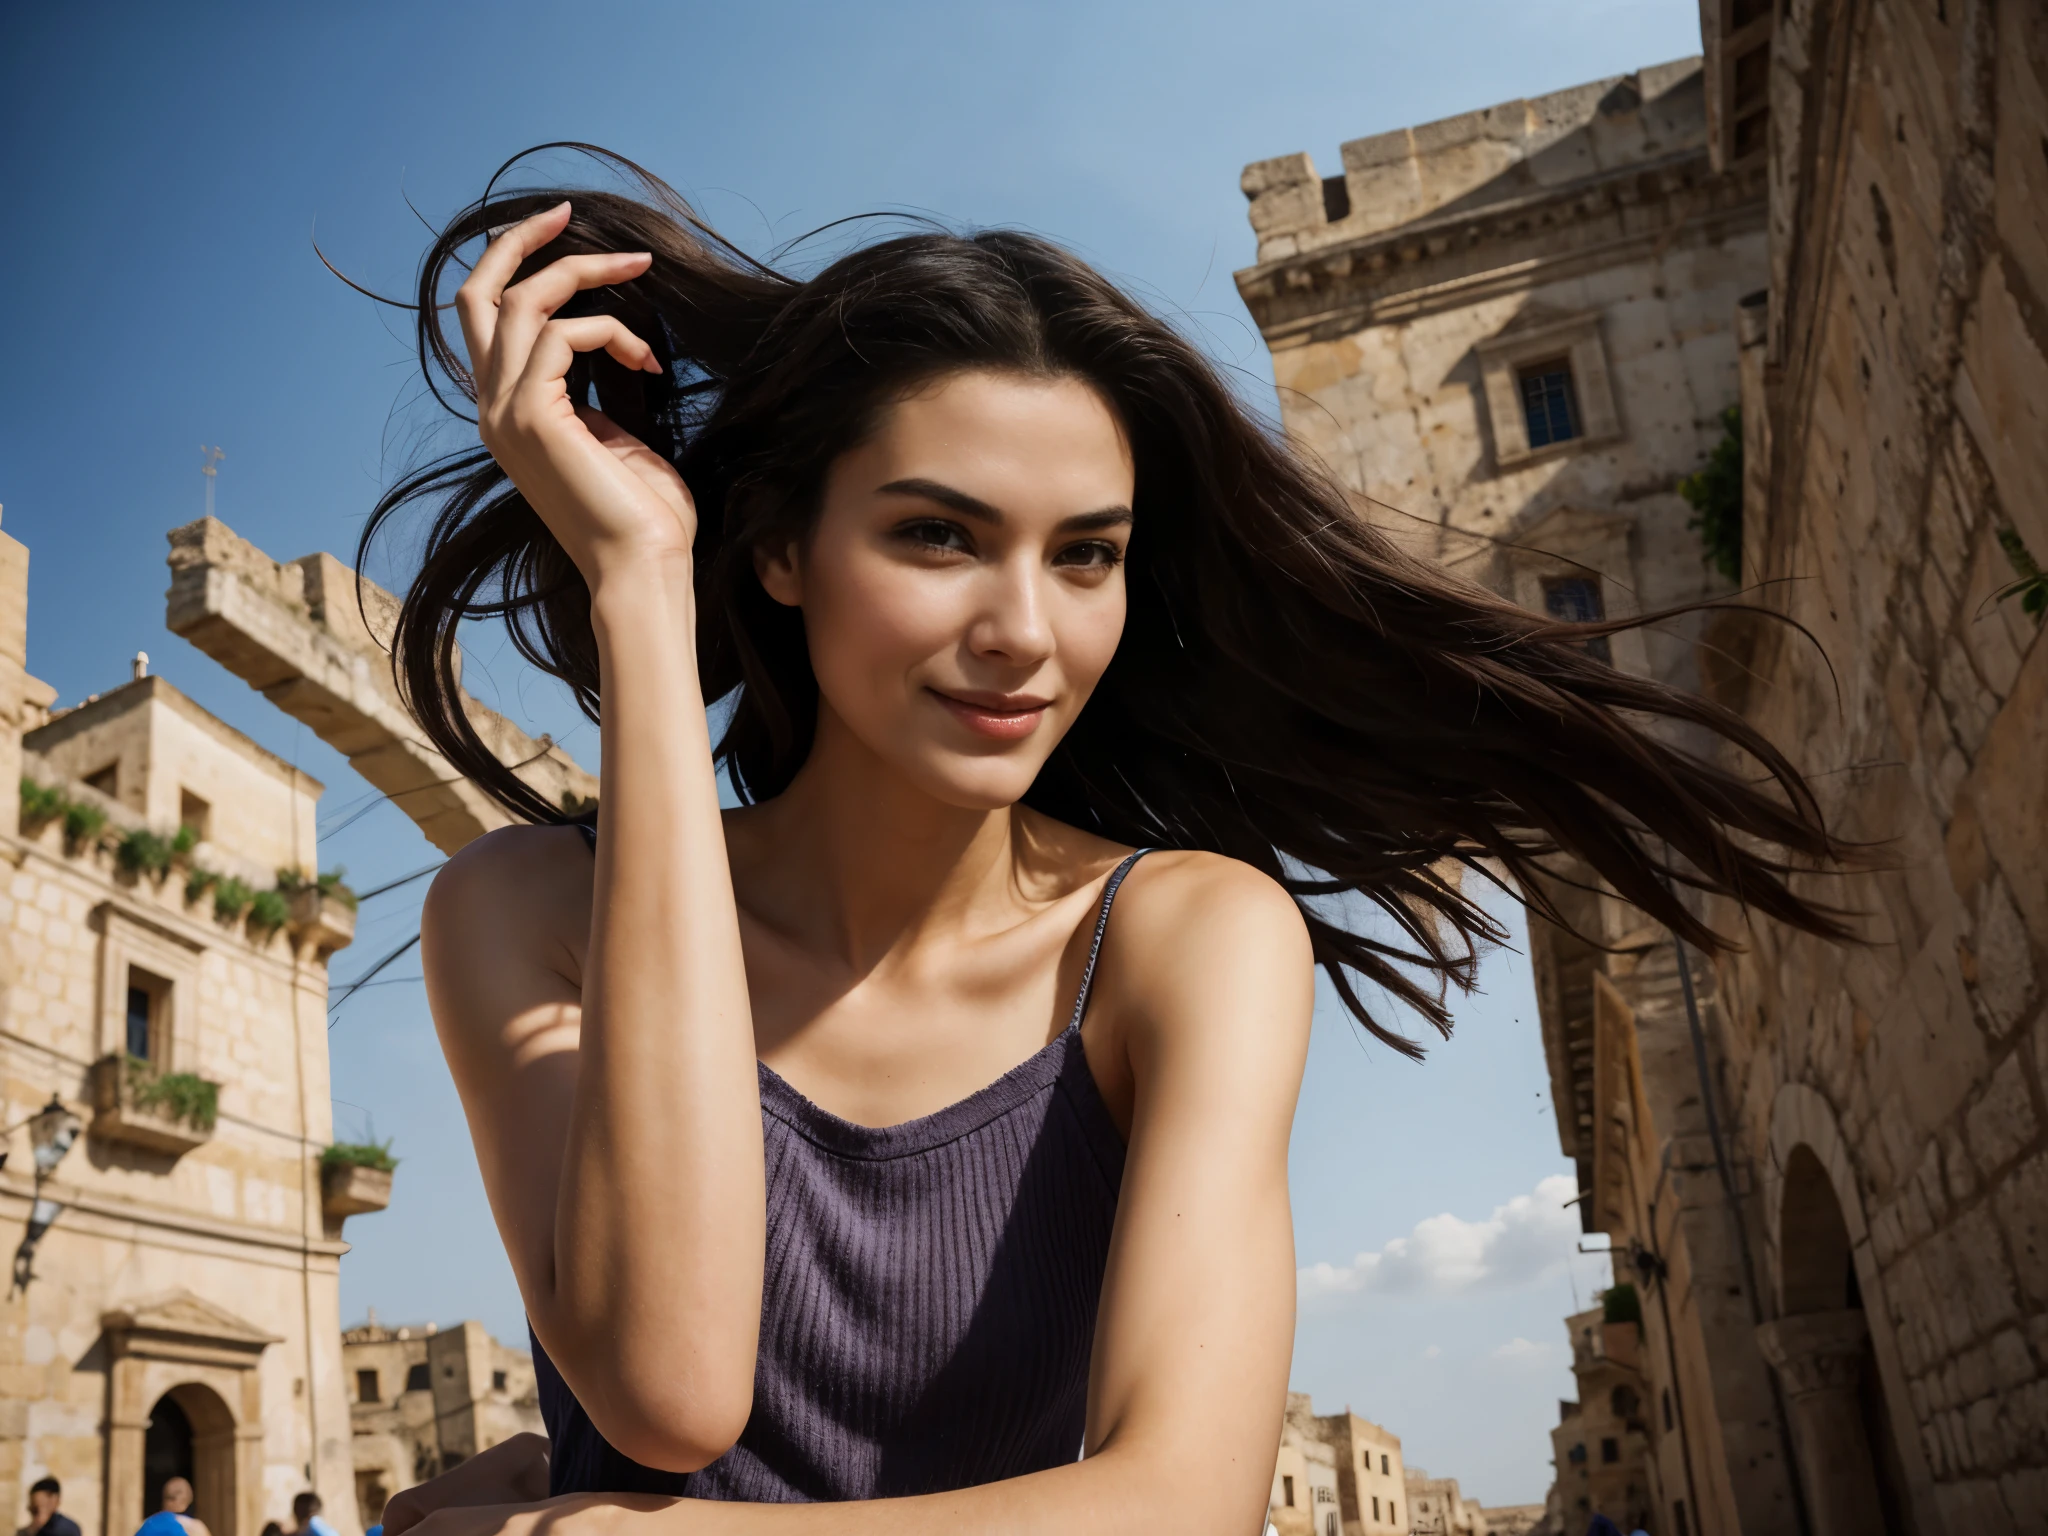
(902, 1151)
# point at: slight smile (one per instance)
(998, 716)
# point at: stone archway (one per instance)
(195, 1362)
(191, 1434)
(1832, 1345)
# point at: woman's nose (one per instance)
(1013, 624)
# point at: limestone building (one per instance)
(163, 1081)
(1364, 1491)
(1827, 1168)
(1601, 1443)
(424, 1399)
(1438, 1507)
(1304, 1498)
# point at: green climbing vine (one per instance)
(1714, 493)
(2032, 587)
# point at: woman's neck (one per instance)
(855, 860)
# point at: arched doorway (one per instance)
(1822, 1350)
(191, 1434)
(166, 1451)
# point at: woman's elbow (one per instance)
(679, 1430)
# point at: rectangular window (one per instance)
(1330, 1524)
(1610, 1450)
(1375, 1507)
(1393, 1513)
(497, 1381)
(1550, 405)
(106, 780)
(1287, 1491)
(419, 1378)
(147, 1017)
(1383, 1467)
(195, 813)
(139, 1010)
(1577, 600)
(366, 1387)
(1678, 1522)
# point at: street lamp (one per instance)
(51, 1132)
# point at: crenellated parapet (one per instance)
(1467, 163)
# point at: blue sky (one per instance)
(164, 171)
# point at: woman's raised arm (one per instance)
(611, 1095)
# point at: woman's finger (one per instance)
(476, 301)
(560, 340)
(528, 305)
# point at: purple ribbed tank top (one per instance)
(928, 1303)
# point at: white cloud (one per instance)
(1521, 1241)
(1432, 1352)
(1521, 1351)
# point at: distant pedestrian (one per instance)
(178, 1504)
(310, 1522)
(44, 1519)
(272, 1528)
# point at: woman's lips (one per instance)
(1008, 720)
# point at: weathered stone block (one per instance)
(2002, 1123)
(2021, 1203)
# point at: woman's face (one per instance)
(963, 588)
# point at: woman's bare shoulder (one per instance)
(1209, 891)
(1191, 926)
(518, 883)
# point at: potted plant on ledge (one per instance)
(138, 1103)
(355, 1177)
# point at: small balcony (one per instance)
(322, 920)
(354, 1181)
(168, 1113)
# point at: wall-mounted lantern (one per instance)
(51, 1132)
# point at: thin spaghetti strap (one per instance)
(1116, 878)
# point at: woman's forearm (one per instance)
(659, 1228)
(1110, 1494)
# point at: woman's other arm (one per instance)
(1209, 975)
(512, 1471)
(626, 1174)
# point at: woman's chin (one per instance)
(978, 783)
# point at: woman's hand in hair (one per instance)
(609, 500)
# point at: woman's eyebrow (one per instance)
(945, 496)
(974, 507)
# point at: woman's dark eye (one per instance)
(932, 533)
(1091, 554)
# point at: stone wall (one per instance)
(1890, 1097)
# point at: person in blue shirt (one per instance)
(306, 1512)
(175, 1518)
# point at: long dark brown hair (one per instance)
(1291, 689)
